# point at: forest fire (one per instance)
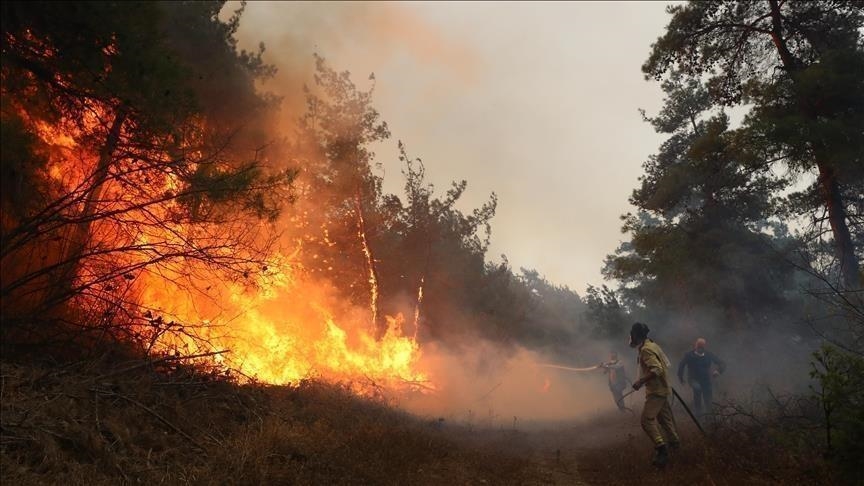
(276, 329)
(125, 244)
(282, 332)
(218, 265)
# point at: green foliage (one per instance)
(430, 242)
(166, 67)
(732, 41)
(819, 106)
(418, 240)
(841, 393)
(606, 314)
(798, 65)
(343, 120)
(211, 189)
(347, 204)
(72, 55)
(702, 237)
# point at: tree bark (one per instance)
(829, 185)
(378, 325)
(789, 61)
(829, 189)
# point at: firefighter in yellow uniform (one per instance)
(657, 419)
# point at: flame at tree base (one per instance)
(284, 332)
(265, 352)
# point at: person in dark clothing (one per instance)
(701, 367)
(614, 369)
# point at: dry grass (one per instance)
(85, 423)
(66, 425)
(613, 451)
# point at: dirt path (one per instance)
(608, 450)
(580, 453)
(612, 449)
(558, 468)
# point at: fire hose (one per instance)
(674, 392)
(590, 368)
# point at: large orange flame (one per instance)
(279, 328)
(283, 332)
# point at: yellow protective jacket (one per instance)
(652, 358)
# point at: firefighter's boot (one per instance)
(661, 456)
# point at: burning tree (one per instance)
(343, 123)
(132, 157)
(445, 247)
(140, 197)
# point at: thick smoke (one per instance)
(488, 386)
(479, 381)
(293, 31)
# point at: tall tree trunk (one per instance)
(417, 304)
(789, 61)
(829, 189)
(426, 265)
(378, 324)
(60, 289)
(829, 186)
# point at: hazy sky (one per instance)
(534, 101)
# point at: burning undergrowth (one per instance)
(164, 221)
(91, 423)
(147, 210)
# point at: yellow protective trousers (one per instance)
(658, 421)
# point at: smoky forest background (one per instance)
(144, 161)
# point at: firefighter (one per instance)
(614, 370)
(701, 367)
(657, 419)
